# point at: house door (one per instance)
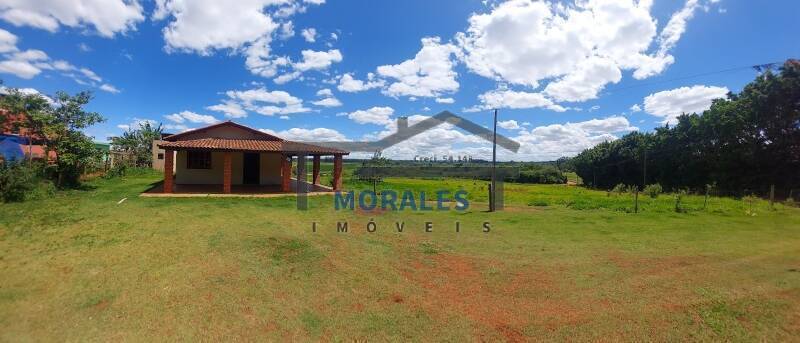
(250, 169)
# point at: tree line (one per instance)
(745, 142)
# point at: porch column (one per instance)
(286, 173)
(226, 172)
(169, 156)
(315, 171)
(337, 172)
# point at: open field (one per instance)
(560, 263)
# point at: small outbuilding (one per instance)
(233, 158)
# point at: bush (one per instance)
(620, 188)
(541, 174)
(118, 170)
(16, 180)
(653, 190)
(679, 201)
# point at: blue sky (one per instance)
(565, 75)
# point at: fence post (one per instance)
(636, 200)
(705, 202)
(772, 197)
(491, 198)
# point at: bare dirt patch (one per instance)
(456, 285)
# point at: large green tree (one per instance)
(745, 142)
(62, 128)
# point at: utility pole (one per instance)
(644, 175)
(493, 190)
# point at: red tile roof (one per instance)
(251, 145)
(265, 135)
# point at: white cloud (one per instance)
(271, 110)
(328, 102)
(22, 69)
(205, 25)
(547, 143)
(8, 41)
(286, 77)
(107, 17)
(109, 88)
(635, 108)
(263, 95)
(30, 55)
(374, 115)
(311, 60)
(676, 26)
(326, 92)
(318, 60)
(607, 125)
(445, 100)
(259, 61)
(578, 48)
(230, 108)
(586, 81)
(30, 63)
(263, 101)
(672, 103)
(328, 99)
(351, 85)
(508, 124)
(429, 74)
(504, 98)
(667, 39)
(287, 30)
(188, 116)
(319, 134)
(309, 34)
(246, 26)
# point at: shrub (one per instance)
(653, 190)
(540, 174)
(118, 170)
(538, 203)
(16, 180)
(620, 188)
(679, 201)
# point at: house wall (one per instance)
(270, 169)
(158, 163)
(270, 173)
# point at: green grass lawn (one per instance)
(560, 263)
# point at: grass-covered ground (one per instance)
(560, 263)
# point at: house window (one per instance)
(160, 156)
(198, 160)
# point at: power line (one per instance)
(757, 67)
